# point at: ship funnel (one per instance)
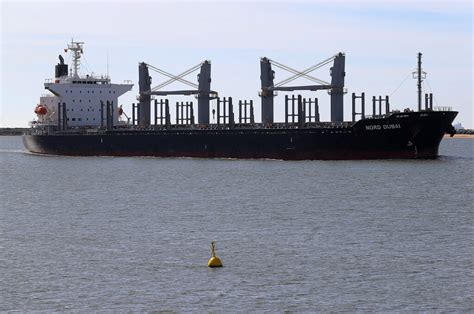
(61, 68)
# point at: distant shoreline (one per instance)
(459, 136)
(12, 131)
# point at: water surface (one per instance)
(133, 234)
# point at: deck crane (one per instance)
(335, 88)
(202, 90)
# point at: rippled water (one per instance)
(133, 234)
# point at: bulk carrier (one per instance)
(80, 116)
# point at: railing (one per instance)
(442, 108)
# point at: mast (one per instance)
(76, 48)
(420, 75)
(419, 81)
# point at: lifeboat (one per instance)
(41, 110)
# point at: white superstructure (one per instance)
(84, 97)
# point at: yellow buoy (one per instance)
(214, 261)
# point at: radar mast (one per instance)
(76, 48)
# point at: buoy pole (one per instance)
(214, 261)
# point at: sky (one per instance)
(381, 40)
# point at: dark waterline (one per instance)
(133, 234)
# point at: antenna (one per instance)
(107, 63)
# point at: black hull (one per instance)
(401, 135)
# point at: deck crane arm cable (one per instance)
(172, 76)
(294, 77)
(177, 77)
(291, 70)
(304, 72)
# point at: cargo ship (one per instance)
(80, 116)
